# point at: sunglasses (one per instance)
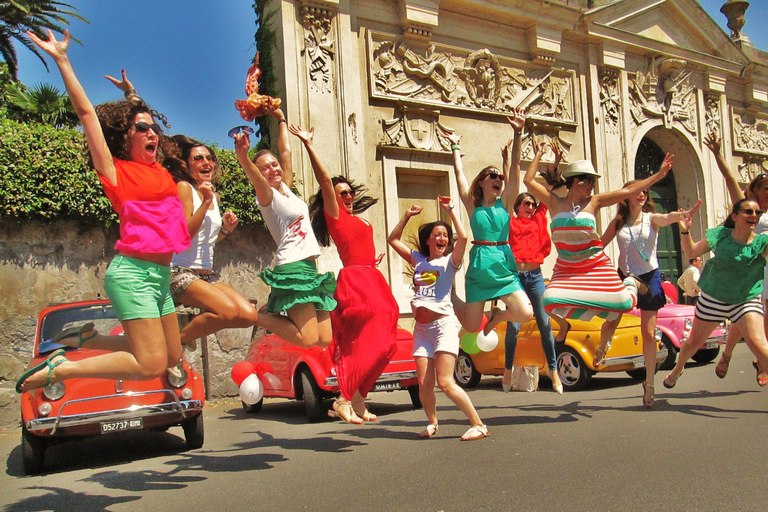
(200, 158)
(750, 211)
(529, 203)
(240, 130)
(495, 176)
(347, 193)
(144, 127)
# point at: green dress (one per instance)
(492, 270)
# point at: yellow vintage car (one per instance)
(575, 357)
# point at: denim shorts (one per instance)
(138, 288)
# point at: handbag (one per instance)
(525, 378)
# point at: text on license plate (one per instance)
(638, 363)
(118, 426)
(386, 386)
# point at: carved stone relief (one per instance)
(750, 133)
(610, 99)
(478, 80)
(417, 128)
(318, 46)
(663, 91)
(712, 117)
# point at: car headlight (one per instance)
(54, 391)
(688, 324)
(177, 376)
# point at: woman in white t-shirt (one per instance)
(436, 334)
(297, 288)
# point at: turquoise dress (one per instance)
(492, 271)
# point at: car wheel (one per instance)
(313, 401)
(32, 452)
(253, 408)
(194, 431)
(669, 362)
(465, 373)
(573, 373)
(707, 355)
(415, 398)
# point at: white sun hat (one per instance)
(580, 167)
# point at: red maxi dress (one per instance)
(365, 320)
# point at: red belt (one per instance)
(481, 242)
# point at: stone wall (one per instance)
(42, 264)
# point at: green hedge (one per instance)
(44, 175)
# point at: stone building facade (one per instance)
(619, 83)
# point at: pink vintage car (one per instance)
(288, 371)
(674, 322)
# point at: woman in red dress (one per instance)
(365, 321)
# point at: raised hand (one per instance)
(666, 165)
(53, 47)
(517, 119)
(446, 203)
(541, 147)
(712, 141)
(124, 85)
(305, 136)
(413, 211)
(242, 142)
(453, 138)
(688, 214)
(229, 220)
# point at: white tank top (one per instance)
(200, 252)
(637, 247)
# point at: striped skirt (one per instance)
(588, 288)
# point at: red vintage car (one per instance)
(78, 408)
(288, 371)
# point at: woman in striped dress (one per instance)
(585, 283)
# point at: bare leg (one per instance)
(224, 308)
(154, 345)
(473, 316)
(445, 364)
(425, 368)
(754, 335)
(648, 327)
(699, 334)
(300, 327)
(518, 310)
(606, 333)
(562, 327)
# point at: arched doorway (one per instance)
(664, 194)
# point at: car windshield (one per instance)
(100, 314)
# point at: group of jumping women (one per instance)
(170, 223)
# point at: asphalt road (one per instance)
(702, 447)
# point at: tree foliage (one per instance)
(36, 16)
(45, 175)
(42, 103)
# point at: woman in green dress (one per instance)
(492, 271)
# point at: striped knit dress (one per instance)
(584, 282)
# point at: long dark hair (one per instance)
(178, 165)
(729, 222)
(623, 208)
(425, 231)
(317, 207)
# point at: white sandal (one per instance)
(428, 432)
(477, 432)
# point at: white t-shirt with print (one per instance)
(432, 283)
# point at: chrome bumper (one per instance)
(385, 377)
(633, 360)
(182, 408)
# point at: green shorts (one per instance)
(138, 288)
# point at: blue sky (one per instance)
(188, 58)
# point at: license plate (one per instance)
(107, 427)
(712, 344)
(638, 363)
(386, 386)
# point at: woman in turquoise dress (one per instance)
(492, 271)
(731, 283)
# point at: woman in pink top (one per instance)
(124, 143)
